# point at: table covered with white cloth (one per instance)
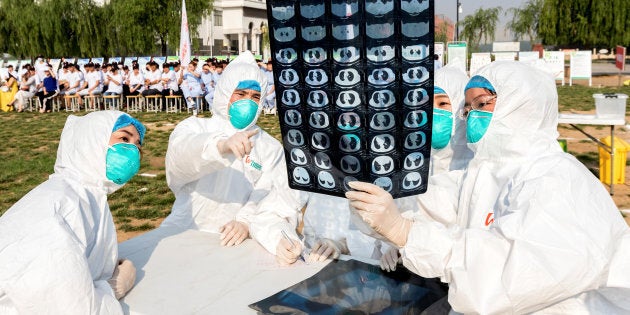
(189, 272)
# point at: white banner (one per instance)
(184, 38)
(457, 54)
(555, 62)
(581, 66)
(478, 60)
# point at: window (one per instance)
(218, 18)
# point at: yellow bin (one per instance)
(621, 148)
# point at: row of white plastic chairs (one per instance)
(131, 103)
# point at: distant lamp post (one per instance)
(459, 10)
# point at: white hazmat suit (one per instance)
(535, 231)
(212, 189)
(58, 243)
(456, 155)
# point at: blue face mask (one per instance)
(242, 113)
(122, 162)
(442, 128)
(476, 125)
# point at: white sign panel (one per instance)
(581, 66)
(478, 60)
(506, 46)
(502, 56)
(528, 57)
(555, 62)
(439, 50)
(457, 54)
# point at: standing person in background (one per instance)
(58, 247)
(48, 92)
(270, 99)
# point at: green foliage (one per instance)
(525, 20)
(585, 23)
(441, 34)
(480, 25)
(81, 28)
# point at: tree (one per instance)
(441, 32)
(480, 25)
(585, 23)
(525, 20)
(140, 23)
(81, 28)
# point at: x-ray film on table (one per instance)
(353, 287)
(354, 86)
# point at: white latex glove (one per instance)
(238, 144)
(326, 248)
(390, 260)
(287, 253)
(123, 278)
(377, 208)
(233, 233)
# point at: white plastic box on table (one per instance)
(610, 105)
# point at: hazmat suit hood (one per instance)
(525, 118)
(531, 221)
(244, 67)
(456, 154)
(83, 149)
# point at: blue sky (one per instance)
(448, 7)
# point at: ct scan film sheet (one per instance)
(353, 287)
(354, 86)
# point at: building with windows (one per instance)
(233, 26)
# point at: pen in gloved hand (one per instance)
(284, 234)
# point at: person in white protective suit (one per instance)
(535, 231)
(58, 246)
(220, 168)
(449, 150)
(328, 231)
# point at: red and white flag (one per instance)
(184, 38)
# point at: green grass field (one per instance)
(29, 149)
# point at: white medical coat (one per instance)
(58, 243)
(213, 189)
(535, 231)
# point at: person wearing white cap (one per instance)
(535, 231)
(58, 247)
(220, 168)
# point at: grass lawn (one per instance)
(30, 145)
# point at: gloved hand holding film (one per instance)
(377, 208)
(123, 278)
(326, 248)
(238, 144)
